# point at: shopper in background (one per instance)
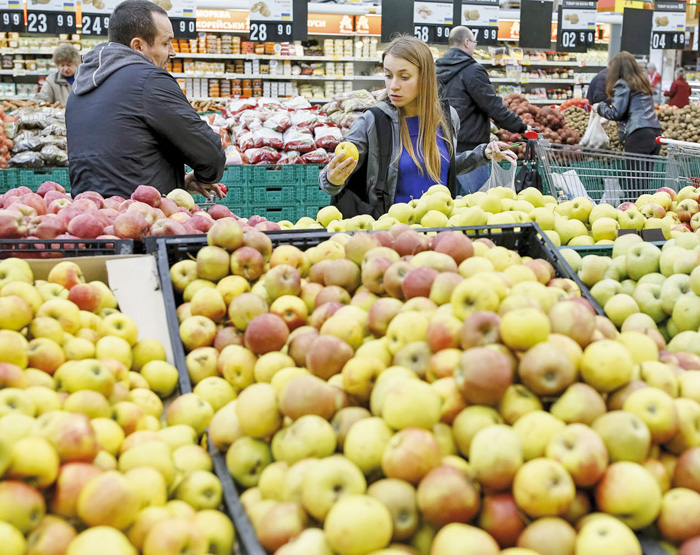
(596, 90)
(58, 83)
(632, 105)
(654, 80)
(128, 122)
(466, 84)
(424, 137)
(679, 94)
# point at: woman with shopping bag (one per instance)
(632, 105)
(406, 143)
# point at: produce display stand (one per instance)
(64, 248)
(684, 159)
(527, 239)
(601, 250)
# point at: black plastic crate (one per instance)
(65, 248)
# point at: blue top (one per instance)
(70, 79)
(410, 183)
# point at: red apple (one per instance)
(148, 195)
(418, 282)
(501, 518)
(455, 244)
(483, 375)
(265, 333)
(480, 329)
(130, 225)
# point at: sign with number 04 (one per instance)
(271, 20)
(481, 16)
(11, 16)
(95, 16)
(576, 29)
(668, 27)
(51, 18)
(432, 21)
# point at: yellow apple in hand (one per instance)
(347, 149)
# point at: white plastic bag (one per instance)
(570, 183)
(613, 191)
(500, 177)
(595, 136)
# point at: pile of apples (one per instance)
(647, 288)
(402, 393)
(575, 222)
(90, 463)
(52, 214)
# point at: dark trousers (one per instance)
(641, 141)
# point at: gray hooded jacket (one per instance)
(129, 124)
(364, 136)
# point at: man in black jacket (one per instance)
(128, 122)
(467, 86)
(596, 90)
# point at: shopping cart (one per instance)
(604, 175)
(683, 160)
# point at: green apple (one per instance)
(402, 212)
(572, 257)
(595, 268)
(631, 219)
(686, 312)
(602, 210)
(668, 259)
(605, 228)
(605, 290)
(648, 298)
(619, 307)
(434, 218)
(568, 229)
(695, 281)
(672, 289)
(543, 216)
(580, 209)
(642, 258)
(623, 243)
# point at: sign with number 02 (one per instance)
(481, 16)
(576, 29)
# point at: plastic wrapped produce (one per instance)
(278, 121)
(264, 155)
(28, 159)
(267, 137)
(52, 155)
(318, 156)
(295, 139)
(328, 137)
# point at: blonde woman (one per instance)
(423, 133)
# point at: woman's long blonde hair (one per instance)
(430, 110)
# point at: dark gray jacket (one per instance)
(129, 124)
(465, 83)
(631, 110)
(363, 135)
(596, 90)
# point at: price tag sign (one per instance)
(432, 21)
(95, 17)
(51, 17)
(668, 27)
(183, 16)
(11, 16)
(481, 16)
(576, 30)
(271, 20)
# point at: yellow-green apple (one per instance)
(631, 219)
(410, 455)
(452, 401)
(483, 375)
(365, 443)
(155, 454)
(602, 210)
(468, 423)
(411, 404)
(200, 489)
(657, 410)
(595, 269)
(192, 457)
(495, 454)
(311, 540)
(332, 479)
(606, 534)
(191, 410)
(548, 536)
(224, 427)
(463, 539)
(626, 436)
(414, 356)
(237, 365)
(258, 410)
(244, 308)
(405, 328)
(543, 487)
(442, 364)
(546, 369)
(672, 289)
(149, 485)
(501, 518)
(574, 320)
(685, 312)
(225, 233)
(522, 328)
(400, 498)
(344, 419)
(628, 491)
(308, 436)
(688, 435)
(201, 363)
(246, 459)
(65, 312)
(103, 539)
(581, 451)
(581, 208)
(358, 524)
(272, 480)
(606, 365)
(517, 401)
(216, 391)
(605, 290)
(34, 460)
(16, 401)
(679, 519)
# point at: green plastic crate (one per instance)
(274, 195)
(601, 250)
(9, 179)
(275, 214)
(34, 178)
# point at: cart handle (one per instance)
(666, 141)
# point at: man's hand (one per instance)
(204, 189)
(493, 152)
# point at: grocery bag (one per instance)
(613, 191)
(595, 136)
(570, 183)
(500, 177)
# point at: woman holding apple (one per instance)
(405, 144)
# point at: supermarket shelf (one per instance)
(271, 57)
(547, 63)
(546, 101)
(280, 77)
(21, 72)
(527, 80)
